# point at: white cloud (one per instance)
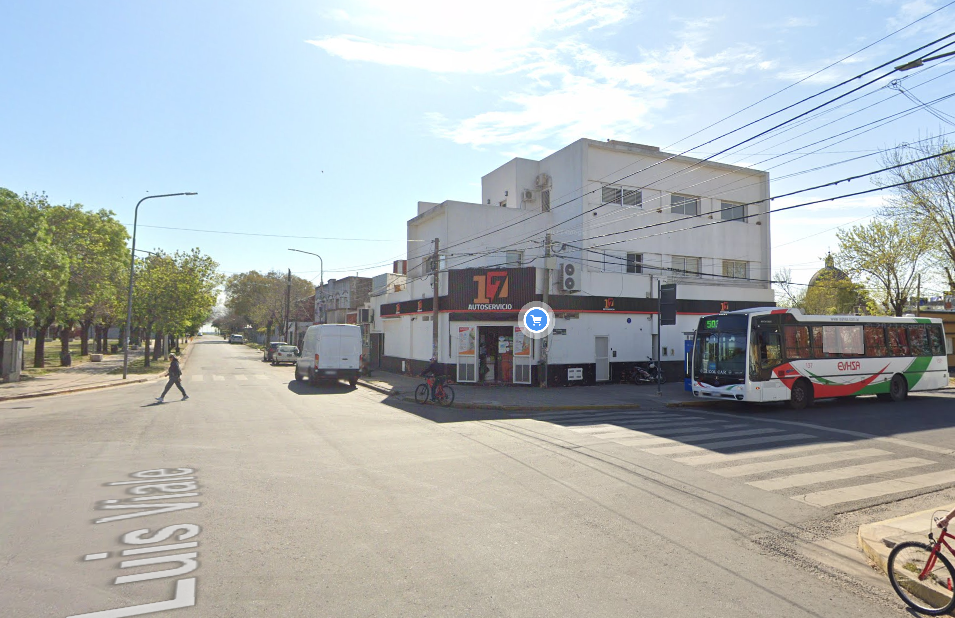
(573, 88)
(910, 11)
(799, 22)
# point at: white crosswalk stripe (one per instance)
(839, 474)
(798, 462)
(218, 378)
(698, 439)
(241, 377)
(874, 490)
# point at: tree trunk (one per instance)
(146, 350)
(157, 348)
(85, 337)
(66, 359)
(40, 347)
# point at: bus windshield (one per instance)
(720, 354)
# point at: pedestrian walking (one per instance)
(175, 376)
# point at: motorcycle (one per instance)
(656, 372)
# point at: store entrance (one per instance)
(496, 354)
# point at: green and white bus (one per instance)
(772, 354)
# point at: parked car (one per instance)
(236, 339)
(285, 354)
(330, 352)
(270, 350)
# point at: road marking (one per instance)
(583, 418)
(218, 378)
(716, 458)
(710, 435)
(95, 556)
(840, 474)
(874, 490)
(682, 423)
(197, 378)
(690, 448)
(798, 462)
(666, 433)
(632, 437)
(261, 376)
(240, 377)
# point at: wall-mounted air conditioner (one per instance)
(568, 279)
(527, 195)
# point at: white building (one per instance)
(625, 216)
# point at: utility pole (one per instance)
(545, 340)
(288, 300)
(434, 307)
(918, 295)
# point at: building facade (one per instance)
(595, 228)
(341, 299)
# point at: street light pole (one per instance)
(321, 265)
(132, 264)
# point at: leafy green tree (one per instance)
(831, 295)
(927, 206)
(889, 256)
(260, 299)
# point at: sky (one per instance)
(328, 121)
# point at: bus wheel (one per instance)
(801, 395)
(899, 388)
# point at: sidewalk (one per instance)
(877, 540)
(83, 376)
(532, 398)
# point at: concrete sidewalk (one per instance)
(83, 376)
(876, 540)
(532, 398)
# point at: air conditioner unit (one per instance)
(364, 316)
(542, 180)
(527, 195)
(568, 277)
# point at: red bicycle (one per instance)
(443, 393)
(922, 575)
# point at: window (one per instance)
(635, 263)
(545, 200)
(513, 259)
(797, 342)
(685, 266)
(620, 195)
(842, 341)
(898, 342)
(770, 352)
(875, 341)
(684, 204)
(936, 339)
(918, 340)
(732, 212)
(735, 269)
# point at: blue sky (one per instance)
(332, 119)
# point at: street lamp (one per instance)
(914, 64)
(321, 285)
(132, 264)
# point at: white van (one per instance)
(330, 352)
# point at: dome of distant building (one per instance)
(828, 273)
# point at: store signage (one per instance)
(560, 331)
(506, 289)
(608, 304)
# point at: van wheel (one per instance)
(353, 382)
(801, 395)
(311, 378)
(298, 376)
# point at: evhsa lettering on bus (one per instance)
(849, 366)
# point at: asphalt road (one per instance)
(260, 496)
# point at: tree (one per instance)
(786, 294)
(831, 295)
(260, 299)
(888, 255)
(929, 205)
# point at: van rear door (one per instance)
(328, 348)
(350, 347)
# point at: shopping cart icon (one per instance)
(536, 319)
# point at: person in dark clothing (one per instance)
(433, 370)
(175, 377)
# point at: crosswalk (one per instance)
(235, 377)
(804, 466)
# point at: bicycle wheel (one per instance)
(930, 593)
(422, 393)
(447, 397)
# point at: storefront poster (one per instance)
(466, 339)
(521, 343)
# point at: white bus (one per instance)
(772, 354)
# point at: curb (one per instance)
(93, 387)
(375, 387)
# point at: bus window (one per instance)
(770, 352)
(875, 341)
(842, 341)
(817, 346)
(797, 342)
(898, 342)
(918, 340)
(937, 340)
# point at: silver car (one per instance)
(285, 354)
